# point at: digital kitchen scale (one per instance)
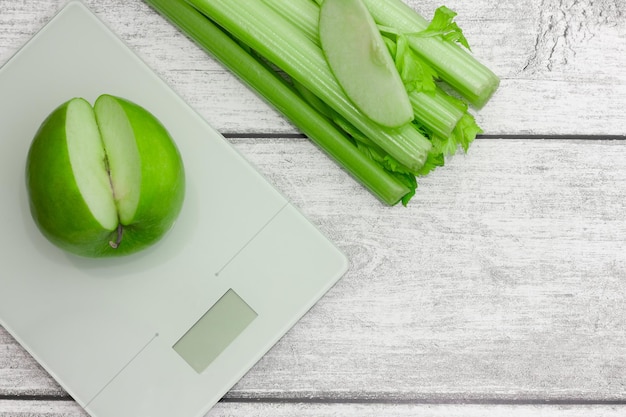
(169, 331)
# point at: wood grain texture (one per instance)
(500, 287)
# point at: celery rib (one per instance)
(257, 76)
(262, 29)
(457, 67)
(303, 14)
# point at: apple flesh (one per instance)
(106, 180)
(358, 57)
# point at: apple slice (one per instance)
(123, 160)
(361, 63)
(106, 180)
(89, 162)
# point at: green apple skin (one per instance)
(60, 211)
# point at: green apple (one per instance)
(106, 180)
(358, 57)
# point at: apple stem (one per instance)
(117, 242)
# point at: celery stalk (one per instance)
(265, 31)
(303, 14)
(273, 88)
(455, 66)
(458, 68)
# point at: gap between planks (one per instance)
(431, 400)
(479, 137)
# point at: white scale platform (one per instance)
(169, 331)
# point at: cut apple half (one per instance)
(104, 180)
(361, 62)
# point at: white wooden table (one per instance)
(500, 290)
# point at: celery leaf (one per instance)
(443, 25)
(416, 74)
(463, 135)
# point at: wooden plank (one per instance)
(33, 408)
(560, 63)
(20, 374)
(504, 280)
(223, 409)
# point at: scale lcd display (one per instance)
(214, 331)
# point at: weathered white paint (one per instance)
(504, 279)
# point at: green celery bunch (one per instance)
(279, 39)
(441, 117)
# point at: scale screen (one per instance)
(215, 330)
